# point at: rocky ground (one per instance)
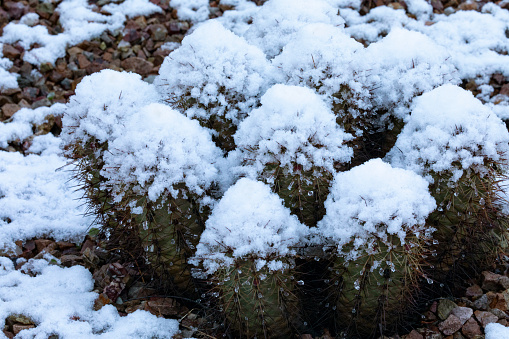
(141, 47)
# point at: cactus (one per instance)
(463, 157)
(295, 150)
(375, 227)
(246, 249)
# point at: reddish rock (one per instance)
(158, 32)
(8, 110)
(494, 282)
(468, 6)
(15, 9)
(414, 335)
(69, 260)
(41, 244)
(10, 52)
(485, 317)
(137, 65)
(16, 328)
(505, 90)
(463, 313)
(474, 292)
(500, 301)
(8, 334)
(83, 61)
(450, 325)
(471, 329)
(163, 306)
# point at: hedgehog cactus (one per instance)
(461, 149)
(195, 81)
(160, 171)
(293, 144)
(247, 250)
(375, 225)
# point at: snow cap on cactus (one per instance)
(249, 221)
(450, 131)
(275, 24)
(160, 148)
(102, 104)
(293, 126)
(216, 69)
(319, 56)
(372, 201)
(402, 65)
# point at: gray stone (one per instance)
(463, 313)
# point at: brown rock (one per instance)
(8, 334)
(41, 244)
(16, 328)
(64, 245)
(450, 325)
(471, 329)
(158, 32)
(69, 260)
(468, 6)
(8, 110)
(474, 292)
(137, 65)
(505, 90)
(485, 317)
(503, 322)
(10, 52)
(494, 282)
(74, 51)
(83, 61)
(414, 335)
(15, 9)
(163, 306)
(463, 313)
(500, 301)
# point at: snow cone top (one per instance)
(249, 221)
(217, 69)
(373, 201)
(160, 148)
(319, 56)
(293, 126)
(277, 21)
(102, 104)
(450, 131)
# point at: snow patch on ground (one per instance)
(60, 302)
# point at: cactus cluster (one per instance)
(256, 154)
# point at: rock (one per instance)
(8, 110)
(499, 313)
(163, 306)
(485, 317)
(445, 306)
(481, 303)
(45, 102)
(15, 9)
(458, 335)
(500, 301)
(137, 65)
(131, 36)
(8, 334)
(41, 244)
(73, 51)
(16, 328)
(463, 313)
(69, 260)
(83, 62)
(450, 325)
(413, 335)
(474, 292)
(20, 318)
(10, 52)
(494, 282)
(468, 6)
(158, 32)
(505, 90)
(471, 329)
(503, 322)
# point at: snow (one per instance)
(102, 104)
(218, 70)
(275, 24)
(160, 148)
(496, 331)
(450, 130)
(249, 225)
(60, 302)
(192, 10)
(20, 127)
(79, 23)
(372, 201)
(36, 200)
(293, 126)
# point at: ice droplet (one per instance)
(300, 282)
